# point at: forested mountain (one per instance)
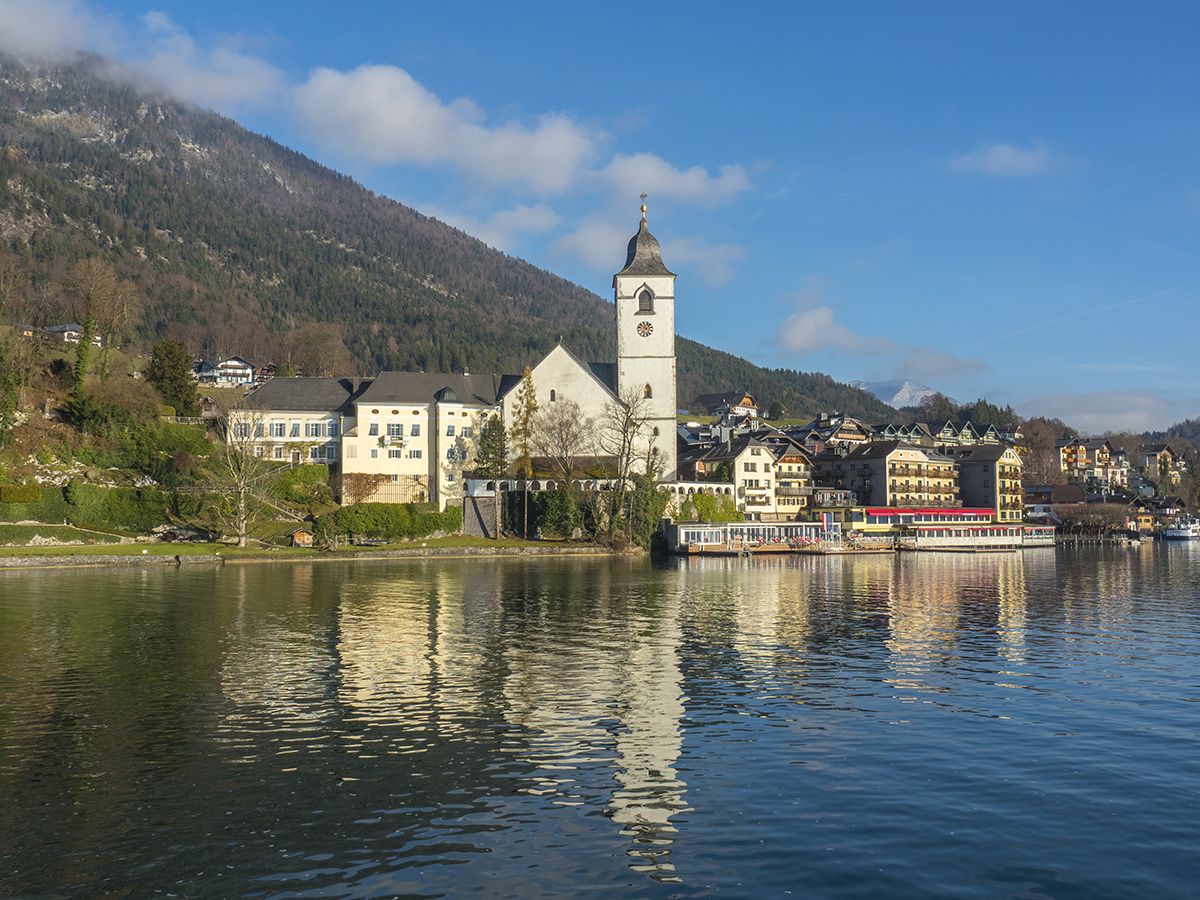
(232, 239)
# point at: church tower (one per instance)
(645, 301)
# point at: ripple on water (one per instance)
(918, 725)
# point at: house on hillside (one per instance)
(69, 333)
(233, 371)
(737, 404)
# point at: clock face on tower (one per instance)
(645, 329)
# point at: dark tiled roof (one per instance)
(882, 449)
(644, 256)
(309, 394)
(988, 453)
(725, 398)
(422, 387)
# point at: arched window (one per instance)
(647, 393)
(553, 396)
(645, 301)
(656, 431)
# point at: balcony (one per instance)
(793, 491)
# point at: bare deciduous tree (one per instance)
(241, 480)
(562, 434)
(358, 487)
(104, 304)
(623, 433)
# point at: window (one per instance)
(749, 467)
(373, 430)
(332, 428)
(414, 454)
(277, 429)
(314, 429)
(374, 453)
(468, 431)
(656, 431)
(241, 430)
(553, 396)
(258, 429)
(395, 454)
(645, 302)
(277, 453)
(395, 430)
(449, 431)
(258, 451)
(647, 393)
(295, 429)
(351, 451)
(315, 453)
(330, 452)
(416, 430)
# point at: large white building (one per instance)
(417, 431)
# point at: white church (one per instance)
(416, 431)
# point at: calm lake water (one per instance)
(924, 725)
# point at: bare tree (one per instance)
(317, 349)
(242, 481)
(623, 433)
(358, 487)
(562, 434)
(104, 305)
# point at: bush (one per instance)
(20, 493)
(50, 506)
(388, 521)
(306, 485)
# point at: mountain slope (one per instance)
(897, 393)
(232, 238)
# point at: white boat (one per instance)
(1183, 530)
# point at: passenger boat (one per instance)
(995, 537)
(1038, 536)
(1183, 530)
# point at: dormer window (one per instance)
(645, 301)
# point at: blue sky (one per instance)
(998, 201)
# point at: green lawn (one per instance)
(230, 552)
(21, 535)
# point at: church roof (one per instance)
(644, 256)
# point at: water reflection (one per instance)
(514, 727)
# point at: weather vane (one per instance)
(643, 204)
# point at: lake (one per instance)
(1023, 725)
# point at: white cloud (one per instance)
(600, 245)
(597, 244)
(1095, 413)
(638, 172)
(714, 263)
(52, 28)
(503, 229)
(1008, 160)
(927, 363)
(222, 77)
(816, 328)
(382, 114)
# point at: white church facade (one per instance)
(416, 432)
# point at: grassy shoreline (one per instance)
(125, 555)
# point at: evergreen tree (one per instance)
(170, 371)
(492, 457)
(523, 422)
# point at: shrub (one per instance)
(20, 493)
(390, 521)
(50, 506)
(305, 485)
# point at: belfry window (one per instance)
(645, 302)
(553, 396)
(647, 393)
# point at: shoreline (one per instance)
(127, 561)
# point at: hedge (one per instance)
(101, 508)
(20, 493)
(390, 521)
